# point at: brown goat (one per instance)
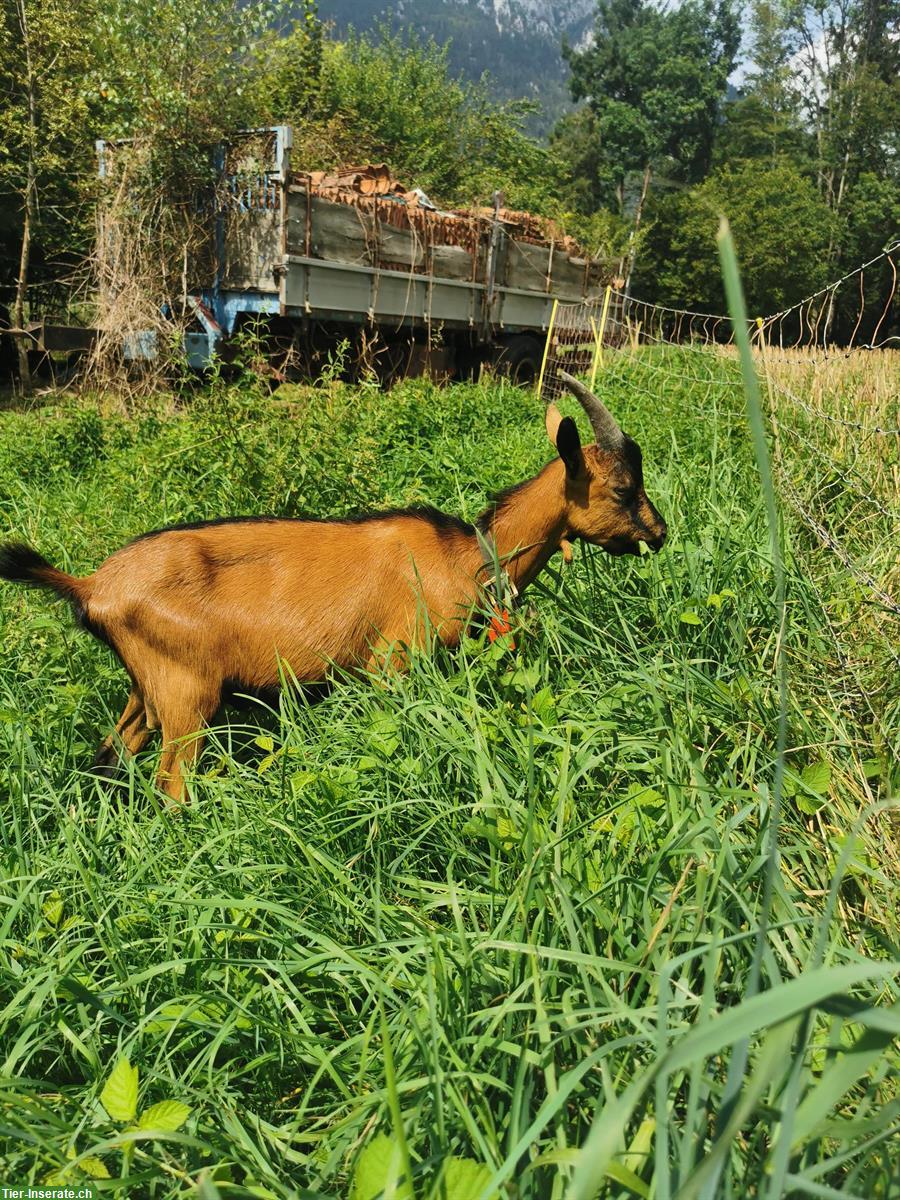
(195, 610)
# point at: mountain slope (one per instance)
(517, 42)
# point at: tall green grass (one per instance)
(414, 938)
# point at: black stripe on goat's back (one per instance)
(441, 522)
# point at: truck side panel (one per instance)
(353, 264)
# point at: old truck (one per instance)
(354, 259)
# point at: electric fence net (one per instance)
(834, 421)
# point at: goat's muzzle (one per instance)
(656, 543)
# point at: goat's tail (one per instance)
(20, 564)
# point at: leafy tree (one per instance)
(288, 74)
(654, 80)
(871, 219)
(846, 63)
(45, 56)
(782, 229)
(751, 129)
(395, 100)
(183, 74)
(765, 122)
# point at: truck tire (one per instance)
(519, 359)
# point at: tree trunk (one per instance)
(22, 289)
(638, 213)
(28, 207)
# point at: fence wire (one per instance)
(834, 410)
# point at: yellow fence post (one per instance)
(598, 336)
(540, 382)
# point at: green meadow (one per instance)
(503, 926)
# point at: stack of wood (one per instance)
(370, 180)
(372, 189)
(528, 227)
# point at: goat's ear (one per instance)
(553, 420)
(568, 443)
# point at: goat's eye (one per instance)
(623, 493)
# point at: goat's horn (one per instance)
(606, 427)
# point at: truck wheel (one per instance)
(519, 359)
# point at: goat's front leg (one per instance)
(132, 732)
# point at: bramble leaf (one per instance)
(167, 1116)
(120, 1093)
(379, 1164)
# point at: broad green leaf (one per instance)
(166, 1116)
(506, 831)
(301, 780)
(380, 1164)
(817, 777)
(815, 780)
(523, 679)
(690, 618)
(465, 1179)
(265, 742)
(94, 1167)
(52, 908)
(809, 804)
(120, 1093)
(639, 793)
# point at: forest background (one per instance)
(803, 157)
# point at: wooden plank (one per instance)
(527, 266)
(252, 249)
(340, 233)
(451, 262)
(567, 278)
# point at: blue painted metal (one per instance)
(198, 350)
(140, 345)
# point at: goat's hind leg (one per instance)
(131, 734)
(187, 710)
